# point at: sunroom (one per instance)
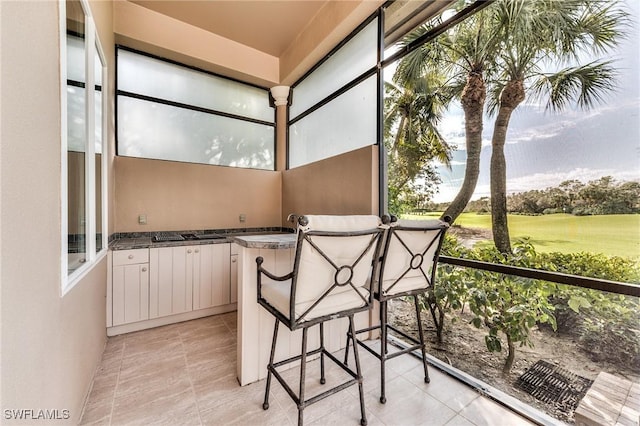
(210, 122)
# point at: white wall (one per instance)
(50, 344)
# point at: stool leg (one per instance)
(322, 379)
(363, 419)
(421, 335)
(265, 404)
(383, 349)
(350, 337)
(303, 371)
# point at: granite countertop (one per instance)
(267, 241)
(254, 237)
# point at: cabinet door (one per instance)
(211, 282)
(170, 285)
(130, 293)
(234, 278)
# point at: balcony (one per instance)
(186, 374)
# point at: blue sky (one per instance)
(544, 148)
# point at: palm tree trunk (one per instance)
(511, 96)
(396, 141)
(473, 97)
(499, 224)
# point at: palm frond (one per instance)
(584, 85)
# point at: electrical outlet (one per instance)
(243, 217)
(142, 219)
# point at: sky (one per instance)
(544, 148)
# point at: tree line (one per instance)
(596, 197)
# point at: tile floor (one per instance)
(184, 374)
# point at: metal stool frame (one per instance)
(382, 296)
(293, 323)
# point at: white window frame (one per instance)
(92, 47)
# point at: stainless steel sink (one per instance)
(167, 236)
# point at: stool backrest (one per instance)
(410, 256)
(336, 258)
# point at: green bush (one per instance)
(507, 307)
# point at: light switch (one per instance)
(243, 217)
(142, 219)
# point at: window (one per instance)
(335, 106)
(83, 161)
(168, 111)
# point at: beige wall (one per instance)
(345, 184)
(50, 344)
(152, 32)
(182, 196)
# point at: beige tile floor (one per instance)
(184, 374)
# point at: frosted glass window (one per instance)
(158, 131)
(344, 124)
(98, 121)
(75, 59)
(76, 126)
(159, 79)
(354, 58)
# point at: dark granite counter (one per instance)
(140, 240)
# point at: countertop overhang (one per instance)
(266, 241)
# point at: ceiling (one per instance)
(269, 26)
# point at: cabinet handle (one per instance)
(144, 269)
(189, 251)
(233, 260)
(130, 256)
(197, 250)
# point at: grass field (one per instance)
(617, 235)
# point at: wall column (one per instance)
(280, 96)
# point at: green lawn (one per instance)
(617, 235)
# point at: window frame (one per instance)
(93, 47)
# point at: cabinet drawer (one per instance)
(130, 257)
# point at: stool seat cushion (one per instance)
(277, 294)
(410, 257)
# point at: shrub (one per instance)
(600, 320)
(509, 307)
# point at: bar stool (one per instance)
(335, 260)
(408, 268)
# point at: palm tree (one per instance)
(462, 55)
(412, 113)
(534, 34)
(499, 54)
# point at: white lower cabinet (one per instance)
(188, 278)
(170, 289)
(211, 276)
(130, 286)
(157, 286)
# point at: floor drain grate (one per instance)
(551, 384)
